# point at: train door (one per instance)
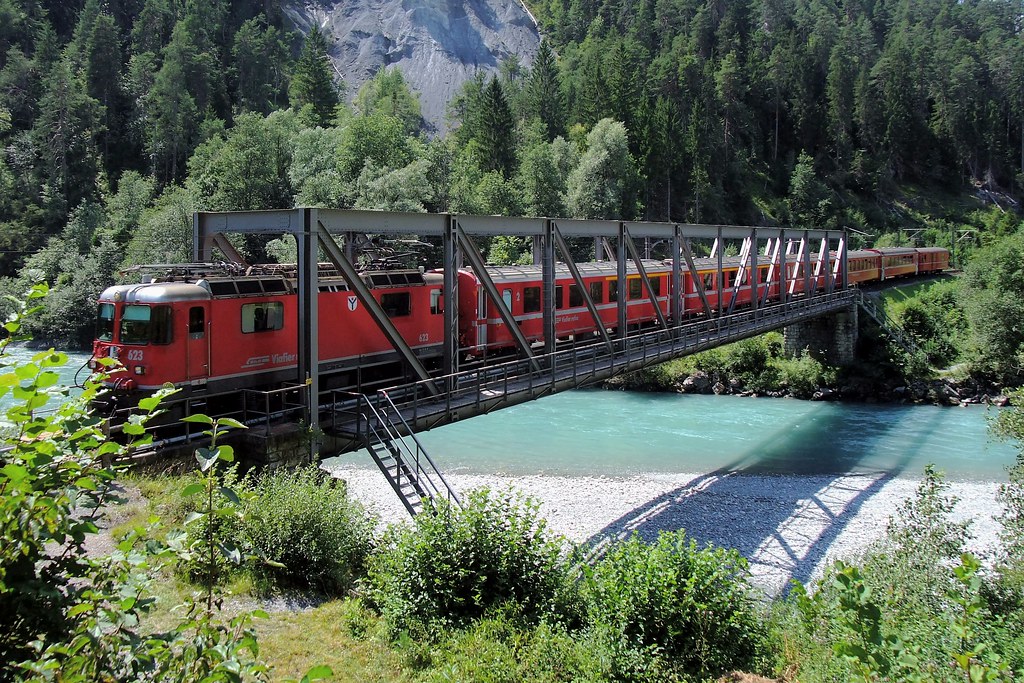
(198, 344)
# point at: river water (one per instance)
(615, 433)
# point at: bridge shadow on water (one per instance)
(769, 505)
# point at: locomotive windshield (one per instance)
(105, 322)
(146, 325)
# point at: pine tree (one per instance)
(260, 60)
(312, 80)
(544, 92)
(496, 133)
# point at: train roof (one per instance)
(591, 269)
(159, 292)
(228, 280)
(932, 250)
(895, 251)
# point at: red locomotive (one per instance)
(216, 329)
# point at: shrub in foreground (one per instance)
(456, 565)
(313, 533)
(916, 606)
(674, 606)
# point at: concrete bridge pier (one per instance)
(831, 339)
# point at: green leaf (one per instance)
(26, 371)
(45, 380)
(199, 419)
(231, 552)
(192, 489)
(206, 458)
(229, 494)
(149, 403)
(230, 423)
(226, 453)
(14, 472)
(191, 518)
(318, 673)
(86, 483)
(133, 429)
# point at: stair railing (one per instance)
(890, 326)
(426, 471)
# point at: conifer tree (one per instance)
(544, 92)
(496, 132)
(313, 81)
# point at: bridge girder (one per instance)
(315, 229)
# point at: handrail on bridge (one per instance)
(582, 364)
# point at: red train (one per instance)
(216, 330)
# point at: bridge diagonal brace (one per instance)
(221, 241)
(698, 282)
(631, 248)
(476, 261)
(741, 273)
(820, 266)
(377, 314)
(799, 270)
(578, 279)
(773, 269)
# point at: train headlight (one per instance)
(92, 364)
(140, 370)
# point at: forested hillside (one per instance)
(119, 118)
(722, 97)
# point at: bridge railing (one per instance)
(579, 363)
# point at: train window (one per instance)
(597, 292)
(161, 331)
(762, 275)
(223, 288)
(709, 282)
(613, 290)
(558, 297)
(395, 304)
(531, 299)
(506, 297)
(656, 285)
(635, 288)
(575, 296)
(435, 302)
(263, 317)
(105, 322)
(249, 287)
(196, 322)
(274, 287)
(145, 325)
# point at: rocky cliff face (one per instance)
(438, 44)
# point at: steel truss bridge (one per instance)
(385, 422)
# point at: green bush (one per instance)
(456, 565)
(313, 533)
(803, 375)
(916, 608)
(674, 606)
(497, 649)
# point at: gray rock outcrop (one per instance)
(438, 44)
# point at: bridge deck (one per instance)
(345, 420)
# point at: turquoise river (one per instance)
(614, 433)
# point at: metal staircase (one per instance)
(888, 325)
(401, 457)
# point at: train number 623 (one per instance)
(135, 354)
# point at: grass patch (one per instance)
(341, 634)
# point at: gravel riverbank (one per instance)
(789, 527)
